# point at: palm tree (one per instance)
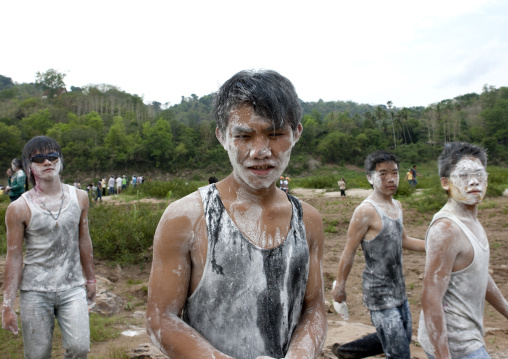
(390, 104)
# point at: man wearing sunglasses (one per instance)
(457, 280)
(51, 220)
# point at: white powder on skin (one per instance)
(471, 192)
(257, 151)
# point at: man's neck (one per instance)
(49, 188)
(462, 211)
(233, 190)
(381, 198)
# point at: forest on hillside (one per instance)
(104, 129)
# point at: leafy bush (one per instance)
(498, 181)
(123, 233)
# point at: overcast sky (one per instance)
(412, 53)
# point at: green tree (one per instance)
(37, 124)
(51, 81)
(158, 141)
(10, 144)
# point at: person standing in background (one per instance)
(342, 187)
(118, 185)
(50, 222)
(111, 185)
(415, 173)
(17, 182)
(99, 191)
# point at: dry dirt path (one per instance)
(336, 214)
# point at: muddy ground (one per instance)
(129, 281)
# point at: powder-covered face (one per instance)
(45, 171)
(386, 178)
(258, 152)
(468, 181)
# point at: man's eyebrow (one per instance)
(241, 129)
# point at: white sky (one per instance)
(412, 53)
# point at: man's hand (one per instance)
(339, 294)
(90, 292)
(9, 320)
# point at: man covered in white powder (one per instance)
(51, 219)
(457, 281)
(237, 265)
(377, 225)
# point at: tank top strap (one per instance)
(380, 211)
(469, 234)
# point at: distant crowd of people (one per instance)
(112, 186)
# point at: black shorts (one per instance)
(343, 192)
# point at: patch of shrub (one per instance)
(123, 233)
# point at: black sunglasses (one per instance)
(41, 158)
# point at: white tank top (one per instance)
(52, 260)
(464, 300)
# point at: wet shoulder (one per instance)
(444, 230)
(189, 207)
(365, 210)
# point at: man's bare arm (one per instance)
(411, 243)
(310, 334)
(358, 227)
(170, 281)
(496, 298)
(15, 218)
(85, 247)
(443, 246)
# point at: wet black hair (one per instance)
(271, 95)
(39, 145)
(379, 157)
(453, 152)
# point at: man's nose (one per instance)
(261, 148)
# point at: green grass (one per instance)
(103, 329)
(134, 281)
(11, 345)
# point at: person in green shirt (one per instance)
(17, 183)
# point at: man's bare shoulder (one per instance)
(182, 216)
(313, 225)
(364, 211)
(18, 211)
(180, 225)
(309, 212)
(444, 232)
(190, 206)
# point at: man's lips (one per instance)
(261, 168)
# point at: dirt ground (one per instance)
(129, 281)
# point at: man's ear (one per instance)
(445, 183)
(220, 136)
(298, 132)
(369, 178)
